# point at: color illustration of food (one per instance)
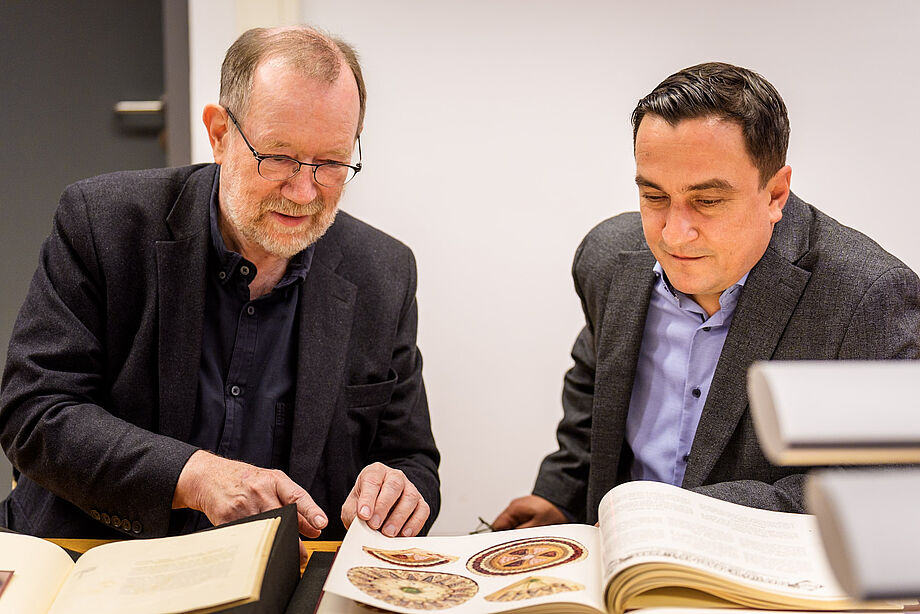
(533, 587)
(410, 557)
(526, 555)
(419, 590)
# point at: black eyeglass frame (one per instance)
(260, 157)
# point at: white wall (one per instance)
(497, 135)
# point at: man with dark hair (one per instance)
(204, 343)
(722, 266)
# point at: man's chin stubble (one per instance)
(298, 242)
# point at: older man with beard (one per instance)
(204, 343)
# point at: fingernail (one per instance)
(407, 532)
(365, 512)
(389, 530)
(375, 522)
(319, 522)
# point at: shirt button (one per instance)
(222, 275)
(244, 270)
(251, 310)
(696, 393)
(707, 329)
(235, 391)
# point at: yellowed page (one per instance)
(650, 522)
(39, 569)
(170, 574)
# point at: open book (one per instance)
(213, 570)
(657, 545)
(836, 412)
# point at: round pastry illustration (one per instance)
(526, 555)
(533, 587)
(419, 590)
(410, 557)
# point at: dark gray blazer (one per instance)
(821, 291)
(100, 383)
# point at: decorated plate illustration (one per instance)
(420, 590)
(410, 557)
(526, 555)
(532, 587)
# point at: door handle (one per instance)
(140, 116)
(138, 107)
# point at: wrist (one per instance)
(187, 490)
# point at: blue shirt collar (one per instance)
(727, 300)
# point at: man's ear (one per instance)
(778, 188)
(216, 122)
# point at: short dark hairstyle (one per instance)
(731, 93)
(316, 54)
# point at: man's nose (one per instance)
(301, 188)
(679, 225)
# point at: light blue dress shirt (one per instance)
(680, 348)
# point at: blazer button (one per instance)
(106, 519)
(94, 514)
(116, 522)
(126, 524)
(137, 527)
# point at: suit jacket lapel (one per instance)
(326, 311)
(181, 269)
(618, 352)
(769, 298)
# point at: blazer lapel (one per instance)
(181, 270)
(767, 301)
(326, 311)
(618, 351)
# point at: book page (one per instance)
(773, 551)
(39, 569)
(170, 574)
(489, 572)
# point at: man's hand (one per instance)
(529, 511)
(384, 497)
(226, 490)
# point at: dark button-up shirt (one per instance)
(248, 357)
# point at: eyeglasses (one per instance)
(281, 168)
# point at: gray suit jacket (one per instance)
(100, 384)
(820, 291)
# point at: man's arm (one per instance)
(55, 425)
(399, 491)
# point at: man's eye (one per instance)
(708, 202)
(654, 198)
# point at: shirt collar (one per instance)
(230, 262)
(727, 300)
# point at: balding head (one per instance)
(314, 54)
